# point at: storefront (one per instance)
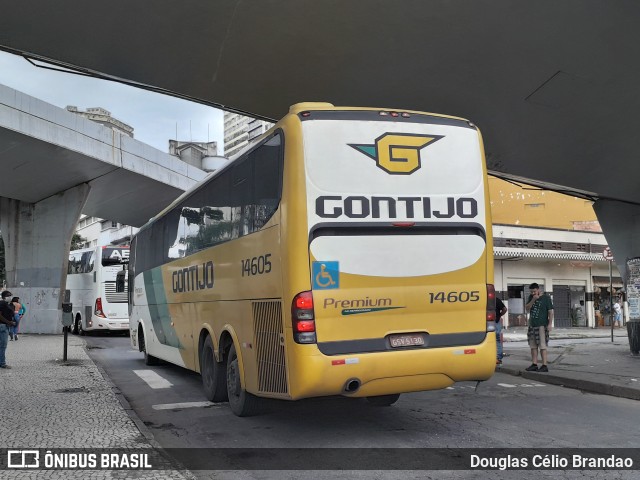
(603, 300)
(567, 265)
(569, 302)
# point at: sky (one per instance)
(153, 116)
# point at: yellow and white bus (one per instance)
(346, 252)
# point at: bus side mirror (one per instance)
(120, 276)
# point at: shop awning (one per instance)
(506, 252)
(603, 281)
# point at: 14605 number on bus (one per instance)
(256, 265)
(453, 297)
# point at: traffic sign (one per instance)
(607, 254)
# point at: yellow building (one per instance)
(533, 207)
(556, 241)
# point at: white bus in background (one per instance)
(91, 288)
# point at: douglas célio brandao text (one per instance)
(550, 462)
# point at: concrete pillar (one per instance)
(621, 225)
(590, 312)
(37, 238)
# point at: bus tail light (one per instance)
(303, 318)
(98, 308)
(491, 308)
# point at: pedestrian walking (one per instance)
(6, 320)
(501, 309)
(19, 310)
(540, 310)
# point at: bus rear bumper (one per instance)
(390, 372)
(109, 324)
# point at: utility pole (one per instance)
(608, 256)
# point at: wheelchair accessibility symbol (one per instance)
(325, 275)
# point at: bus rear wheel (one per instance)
(242, 403)
(148, 359)
(214, 376)
(383, 400)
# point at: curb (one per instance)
(140, 425)
(146, 433)
(565, 337)
(583, 385)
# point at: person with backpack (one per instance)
(7, 315)
(19, 312)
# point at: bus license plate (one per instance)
(406, 340)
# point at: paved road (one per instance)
(504, 412)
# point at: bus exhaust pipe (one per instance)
(352, 385)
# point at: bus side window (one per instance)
(86, 262)
(268, 184)
(240, 197)
(173, 229)
(206, 218)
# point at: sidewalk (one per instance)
(48, 403)
(597, 366)
(517, 334)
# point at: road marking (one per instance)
(523, 385)
(154, 380)
(173, 406)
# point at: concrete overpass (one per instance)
(55, 165)
(551, 83)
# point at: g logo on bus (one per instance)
(397, 153)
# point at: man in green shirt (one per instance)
(540, 310)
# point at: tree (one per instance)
(77, 241)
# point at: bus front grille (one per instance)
(269, 342)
